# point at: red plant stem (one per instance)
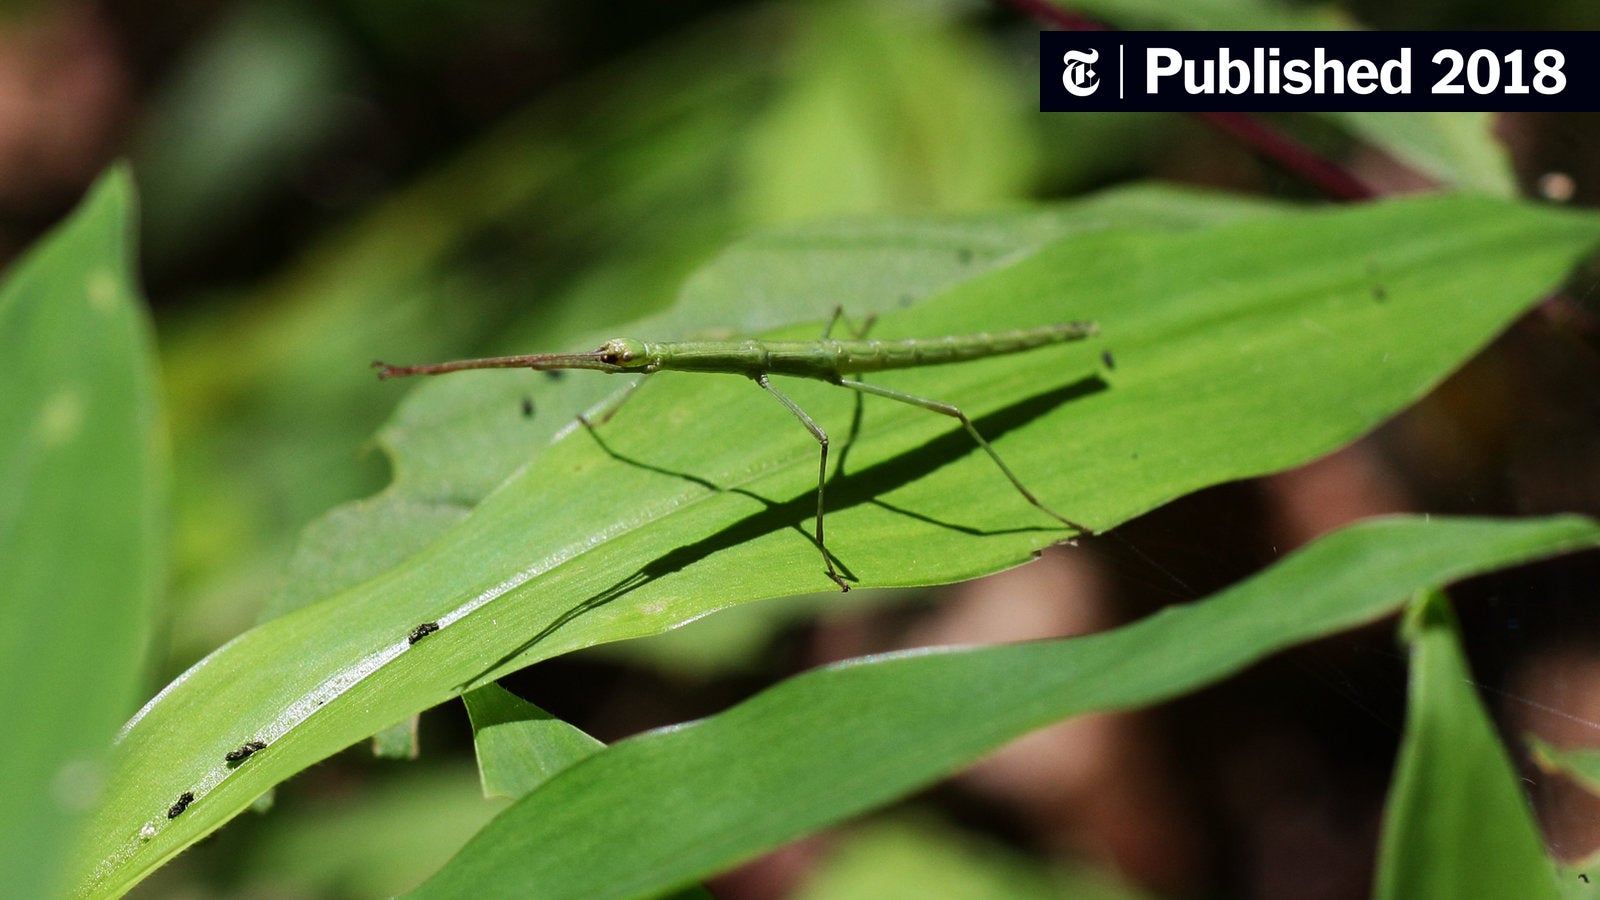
(1292, 155)
(1272, 144)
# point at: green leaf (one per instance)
(1298, 332)
(454, 441)
(1581, 764)
(82, 509)
(398, 741)
(1456, 149)
(673, 806)
(1456, 824)
(1581, 881)
(520, 746)
(1579, 878)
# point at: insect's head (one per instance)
(624, 353)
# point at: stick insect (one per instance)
(823, 360)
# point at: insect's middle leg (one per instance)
(858, 333)
(949, 409)
(822, 468)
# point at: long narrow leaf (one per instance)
(82, 504)
(653, 812)
(1456, 824)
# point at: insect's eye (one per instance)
(622, 353)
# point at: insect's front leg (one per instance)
(822, 468)
(609, 406)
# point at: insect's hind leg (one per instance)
(954, 412)
(822, 468)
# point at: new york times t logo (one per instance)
(1079, 77)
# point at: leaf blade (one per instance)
(519, 745)
(676, 805)
(1456, 824)
(82, 503)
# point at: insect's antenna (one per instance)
(591, 360)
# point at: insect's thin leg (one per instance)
(609, 406)
(822, 468)
(838, 313)
(855, 418)
(857, 333)
(955, 413)
(849, 438)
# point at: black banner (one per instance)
(1318, 71)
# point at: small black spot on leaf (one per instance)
(421, 631)
(176, 809)
(244, 751)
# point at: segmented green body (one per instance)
(828, 359)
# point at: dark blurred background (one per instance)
(328, 182)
